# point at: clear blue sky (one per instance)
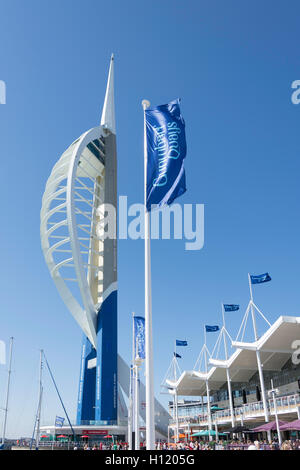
(232, 63)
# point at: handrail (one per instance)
(249, 409)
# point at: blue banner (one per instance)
(166, 150)
(211, 328)
(259, 279)
(139, 336)
(177, 355)
(179, 342)
(59, 422)
(231, 307)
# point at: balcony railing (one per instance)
(256, 409)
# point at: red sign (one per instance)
(100, 432)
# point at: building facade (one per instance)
(212, 406)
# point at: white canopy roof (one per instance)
(275, 348)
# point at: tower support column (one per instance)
(107, 343)
(87, 383)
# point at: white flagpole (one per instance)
(130, 411)
(207, 386)
(258, 358)
(176, 398)
(150, 429)
(227, 370)
(137, 408)
(131, 386)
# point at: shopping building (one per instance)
(236, 391)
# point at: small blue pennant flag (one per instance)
(259, 279)
(179, 342)
(139, 336)
(166, 151)
(59, 421)
(231, 307)
(177, 355)
(211, 328)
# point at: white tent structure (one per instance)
(274, 347)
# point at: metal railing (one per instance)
(255, 409)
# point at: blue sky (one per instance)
(232, 64)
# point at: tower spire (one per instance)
(108, 112)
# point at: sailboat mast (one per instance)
(38, 424)
(7, 390)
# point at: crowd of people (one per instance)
(243, 444)
(104, 446)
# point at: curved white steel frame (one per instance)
(73, 192)
(69, 215)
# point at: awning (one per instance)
(207, 433)
(238, 429)
(275, 349)
(292, 426)
(271, 426)
(181, 436)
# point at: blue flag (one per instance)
(139, 335)
(166, 150)
(177, 355)
(179, 342)
(231, 307)
(259, 279)
(212, 328)
(59, 422)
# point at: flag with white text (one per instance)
(166, 151)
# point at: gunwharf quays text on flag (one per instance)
(166, 150)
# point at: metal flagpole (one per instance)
(207, 386)
(129, 427)
(150, 429)
(176, 398)
(258, 359)
(137, 408)
(177, 423)
(7, 390)
(227, 371)
(131, 386)
(136, 398)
